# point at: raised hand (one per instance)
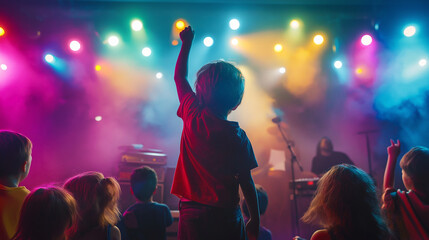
(187, 35)
(394, 149)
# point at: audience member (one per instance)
(264, 233)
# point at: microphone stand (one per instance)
(293, 159)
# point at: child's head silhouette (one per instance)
(415, 167)
(220, 86)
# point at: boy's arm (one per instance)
(248, 187)
(393, 152)
(181, 71)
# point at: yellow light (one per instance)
(180, 25)
(175, 42)
(318, 39)
(278, 47)
(234, 41)
(2, 32)
(294, 24)
(97, 68)
(359, 70)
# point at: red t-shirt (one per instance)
(212, 154)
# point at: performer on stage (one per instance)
(326, 157)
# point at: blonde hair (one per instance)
(346, 204)
(97, 198)
(219, 86)
(47, 213)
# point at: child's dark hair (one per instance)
(47, 213)
(220, 86)
(415, 164)
(143, 182)
(15, 149)
(346, 204)
(262, 201)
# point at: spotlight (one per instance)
(278, 47)
(3, 67)
(146, 52)
(234, 41)
(234, 24)
(159, 75)
(113, 41)
(97, 68)
(294, 24)
(359, 71)
(74, 46)
(282, 70)
(98, 118)
(423, 62)
(136, 25)
(49, 58)
(366, 40)
(2, 31)
(180, 25)
(208, 41)
(174, 42)
(338, 64)
(318, 39)
(410, 31)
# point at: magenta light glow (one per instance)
(366, 40)
(74, 45)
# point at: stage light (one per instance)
(3, 67)
(376, 26)
(136, 25)
(98, 118)
(49, 58)
(278, 47)
(208, 41)
(234, 41)
(113, 41)
(174, 42)
(423, 62)
(294, 24)
(318, 39)
(2, 31)
(410, 31)
(234, 24)
(282, 70)
(338, 64)
(146, 52)
(359, 71)
(74, 45)
(366, 40)
(180, 25)
(97, 68)
(159, 75)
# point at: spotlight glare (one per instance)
(146, 52)
(294, 24)
(208, 41)
(136, 25)
(113, 41)
(49, 58)
(98, 118)
(234, 41)
(318, 39)
(359, 71)
(278, 47)
(423, 62)
(74, 46)
(2, 31)
(366, 40)
(159, 75)
(338, 64)
(180, 25)
(282, 70)
(97, 68)
(175, 42)
(410, 31)
(3, 67)
(234, 24)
